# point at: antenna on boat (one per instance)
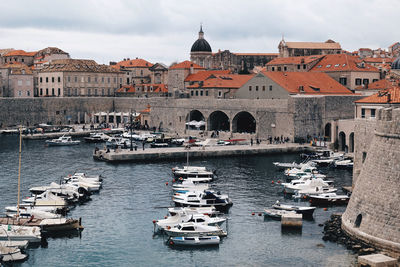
(187, 158)
(19, 169)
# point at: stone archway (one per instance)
(195, 120)
(342, 141)
(328, 132)
(244, 122)
(218, 121)
(351, 142)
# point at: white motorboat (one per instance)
(210, 211)
(286, 165)
(47, 225)
(306, 211)
(194, 229)
(18, 233)
(308, 184)
(11, 254)
(94, 178)
(32, 212)
(305, 169)
(114, 142)
(329, 199)
(72, 191)
(305, 193)
(194, 240)
(189, 185)
(172, 221)
(84, 183)
(16, 244)
(192, 172)
(62, 141)
(275, 213)
(327, 157)
(196, 179)
(345, 164)
(47, 198)
(205, 198)
(96, 138)
(302, 180)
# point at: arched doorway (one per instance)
(342, 141)
(328, 132)
(218, 121)
(244, 122)
(195, 121)
(351, 143)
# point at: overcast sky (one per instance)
(164, 30)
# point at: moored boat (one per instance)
(306, 211)
(276, 214)
(11, 254)
(194, 240)
(205, 198)
(62, 141)
(19, 232)
(194, 229)
(329, 199)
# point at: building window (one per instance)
(363, 113)
(108, 80)
(250, 88)
(69, 91)
(88, 91)
(69, 78)
(115, 80)
(343, 81)
(141, 73)
(206, 93)
(364, 156)
(372, 113)
(59, 91)
(88, 79)
(270, 87)
(102, 79)
(219, 93)
(358, 81)
(47, 91)
(52, 91)
(273, 68)
(95, 79)
(263, 87)
(52, 79)
(41, 91)
(191, 93)
(40, 79)
(197, 93)
(59, 79)
(102, 91)
(201, 93)
(374, 80)
(365, 81)
(76, 91)
(76, 79)
(256, 87)
(95, 92)
(304, 66)
(109, 91)
(28, 93)
(19, 93)
(279, 69)
(47, 79)
(285, 68)
(298, 67)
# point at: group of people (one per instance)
(278, 139)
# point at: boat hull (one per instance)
(220, 208)
(328, 201)
(194, 241)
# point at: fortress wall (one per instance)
(373, 213)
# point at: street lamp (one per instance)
(130, 126)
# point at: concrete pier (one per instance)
(159, 154)
(292, 220)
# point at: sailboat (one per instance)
(192, 171)
(18, 225)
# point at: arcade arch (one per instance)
(244, 122)
(218, 121)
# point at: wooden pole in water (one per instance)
(19, 169)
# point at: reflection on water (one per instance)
(118, 221)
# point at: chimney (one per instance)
(301, 89)
(191, 69)
(388, 97)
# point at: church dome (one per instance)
(395, 64)
(201, 45)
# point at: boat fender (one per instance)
(154, 221)
(253, 214)
(168, 227)
(171, 242)
(165, 217)
(272, 182)
(166, 183)
(259, 214)
(325, 209)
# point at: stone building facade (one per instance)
(16, 80)
(373, 213)
(136, 71)
(77, 77)
(296, 49)
(299, 64)
(18, 56)
(177, 75)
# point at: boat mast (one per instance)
(187, 158)
(19, 169)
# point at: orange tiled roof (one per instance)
(222, 81)
(378, 85)
(294, 60)
(133, 63)
(186, 65)
(383, 97)
(378, 59)
(256, 54)
(17, 67)
(126, 89)
(202, 75)
(342, 62)
(312, 83)
(20, 53)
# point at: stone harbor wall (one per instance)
(295, 118)
(373, 213)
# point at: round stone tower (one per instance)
(201, 53)
(373, 213)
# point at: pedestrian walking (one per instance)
(251, 141)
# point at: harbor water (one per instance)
(118, 221)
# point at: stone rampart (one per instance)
(373, 213)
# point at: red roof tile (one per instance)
(383, 97)
(222, 81)
(312, 83)
(378, 59)
(294, 60)
(378, 85)
(133, 63)
(20, 53)
(342, 62)
(202, 75)
(186, 65)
